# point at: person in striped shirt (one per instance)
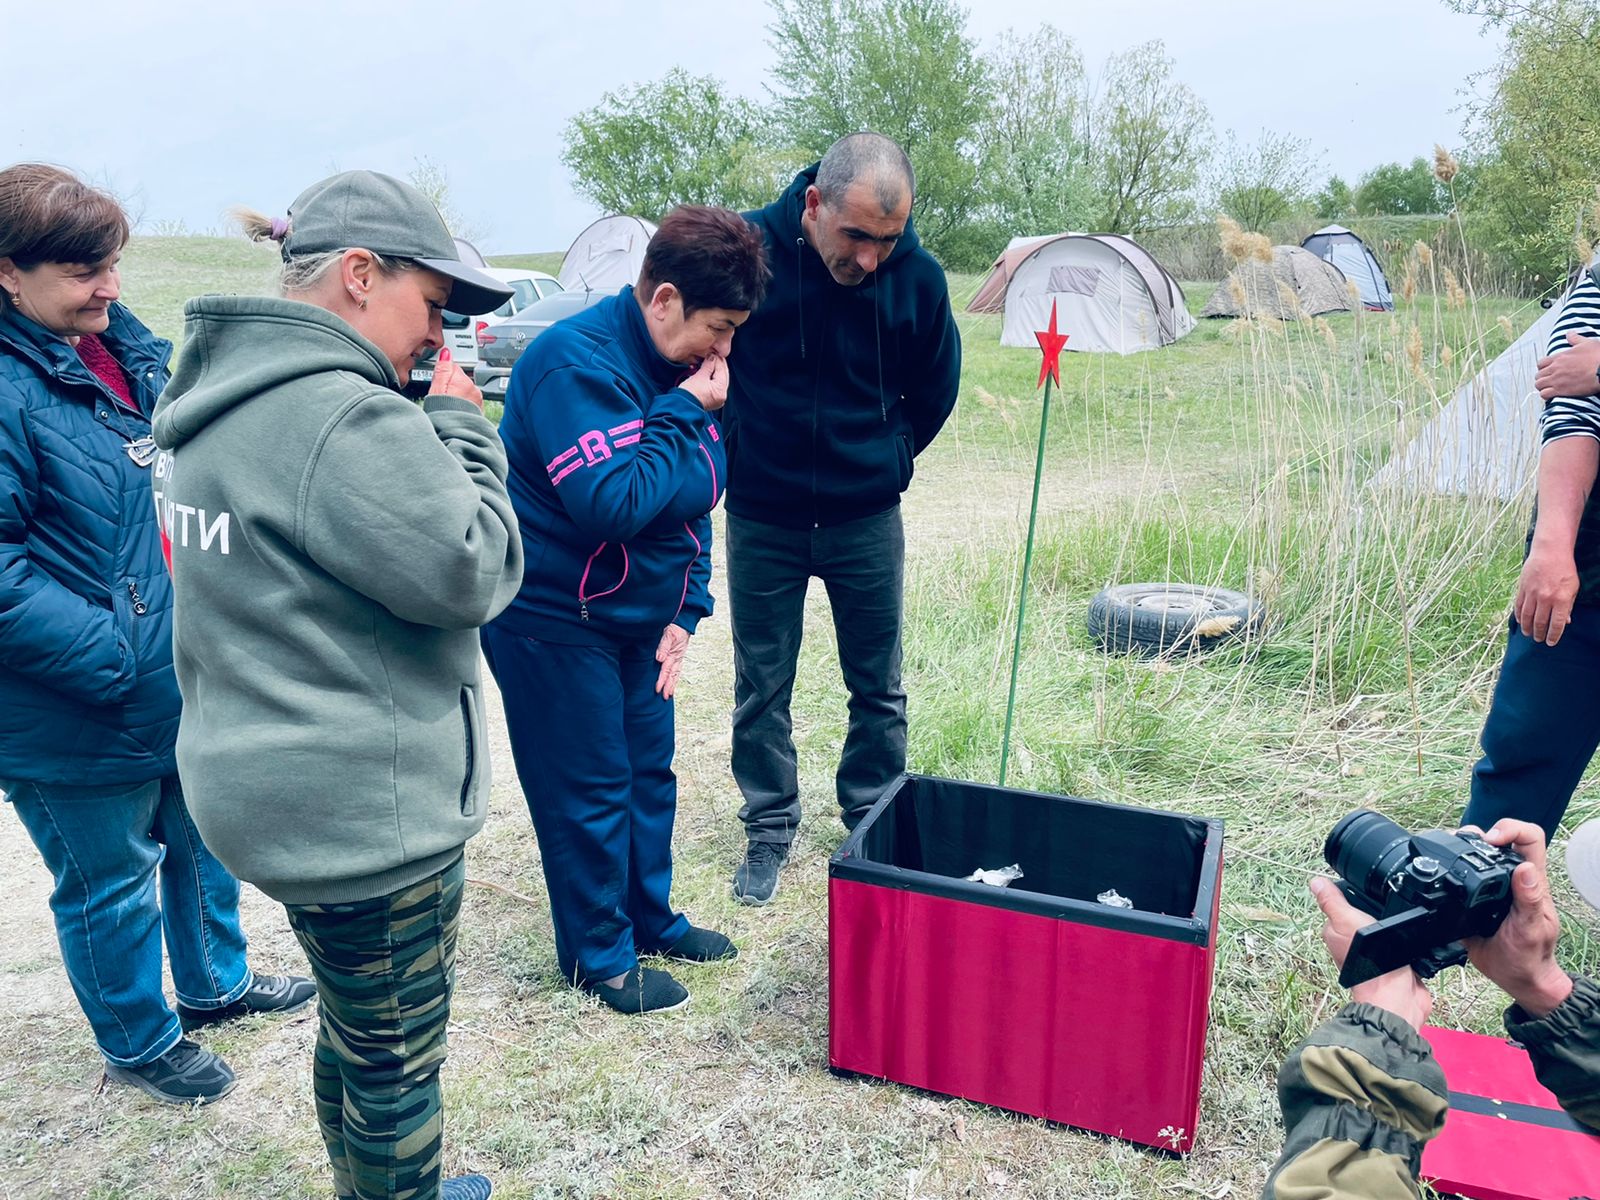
(1544, 722)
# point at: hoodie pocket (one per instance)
(469, 733)
(904, 460)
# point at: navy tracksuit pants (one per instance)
(1542, 729)
(593, 745)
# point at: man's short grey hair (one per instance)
(873, 158)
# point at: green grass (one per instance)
(1238, 457)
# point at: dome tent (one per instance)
(1111, 295)
(1355, 261)
(1295, 284)
(606, 255)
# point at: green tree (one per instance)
(433, 181)
(1264, 181)
(1149, 137)
(1399, 189)
(905, 68)
(680, 140)
(1335, 201)
(1535, 142)
(1036, 169)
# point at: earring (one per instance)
(360, 300)
(16, 300)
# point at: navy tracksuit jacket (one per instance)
(614, 471)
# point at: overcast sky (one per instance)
(187, 107)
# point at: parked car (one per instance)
(500, 345)
(461, 331)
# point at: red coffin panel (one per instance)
(1508, 1155)
(1098, 1028)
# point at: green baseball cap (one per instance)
(380, 213)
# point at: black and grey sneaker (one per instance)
(186, 1074)
(700, 946)
(466, 1187)
(643, 990)
(266, 994)
(756, 880)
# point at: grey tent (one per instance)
(1295, 284)
(1356, 262)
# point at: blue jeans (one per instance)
(105, 847)
(1542, 729)
(593, 745)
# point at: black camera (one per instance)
(1428, 891)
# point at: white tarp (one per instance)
(1485, 442)
(1102, 301)
(607, 255)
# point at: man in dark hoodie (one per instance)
(845, 374)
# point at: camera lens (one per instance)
(1364, 849)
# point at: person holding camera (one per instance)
(1363, 1093)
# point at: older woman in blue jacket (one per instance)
(616, 461)
(88, 701)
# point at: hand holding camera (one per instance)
(1520, 954)
(1409, 905)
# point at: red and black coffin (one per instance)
(1505, 1137)
(1033, 997)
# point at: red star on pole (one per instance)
(1051, 344)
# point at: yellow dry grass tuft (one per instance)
(1445, 166)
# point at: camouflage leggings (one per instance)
(384, 970)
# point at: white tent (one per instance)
(1485, 442)
(606, 255)
(1354, 258)
(1110, 294)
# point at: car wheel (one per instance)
(1160, 618)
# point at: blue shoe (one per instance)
(466, 1187)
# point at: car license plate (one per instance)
(496, 386)
(421, 374)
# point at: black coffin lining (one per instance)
(925, 834)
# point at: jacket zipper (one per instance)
(583, 595)
(138, 602)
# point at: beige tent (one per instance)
(1295, 284)
(1111, 294)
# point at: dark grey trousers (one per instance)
(862, 564)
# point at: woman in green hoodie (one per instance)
(334, 549)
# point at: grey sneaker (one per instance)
(186, 1074)
(756, 880)
(466, 1187)
(271, 994)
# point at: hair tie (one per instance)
(280, 229)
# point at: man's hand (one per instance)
(1545, 591)
(709, 384)
(674, 642)
(1570, 372)
(451, 380)
(1400, 991)
(1520, 957)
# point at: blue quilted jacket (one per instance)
(87, 691)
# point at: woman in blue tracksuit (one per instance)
(615, 465)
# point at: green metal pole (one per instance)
(1027, 563)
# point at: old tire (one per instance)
(1161, 618)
